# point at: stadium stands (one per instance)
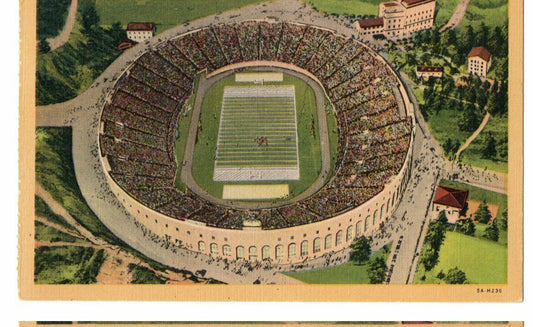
(139, 121)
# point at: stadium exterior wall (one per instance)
(281, 246)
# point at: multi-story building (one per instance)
(398, 19)
(140, 32)
(479, 62)
(426, 72)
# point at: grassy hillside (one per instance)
(491, 12)
(165, 14)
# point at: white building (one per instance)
(479, 62)
(140, 32)
(398, 19)
(426, 72)
(450, 200)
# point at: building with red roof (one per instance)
(140, 32)
(398, 19)
(450, 200)
(426, 72)
(479, 62)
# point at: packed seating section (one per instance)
(139, 120)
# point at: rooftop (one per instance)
(451, 197)
(371, 22)
(427, 69)
(410, 3)
(480, 52)
(140, 26)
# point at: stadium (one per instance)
(298, 141)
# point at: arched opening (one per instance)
(358, 228)
(252, 253)
(240, 252)
(367, 223)
(349, 234)
(375, 219)
(226, 250)
(279, 251)
(328, 242)
(201, 246)
(214, 248)
(316, 245)
(338, 240)
(266, 252)
(304, 248)
(292, 250)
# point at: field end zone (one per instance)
(255, 192)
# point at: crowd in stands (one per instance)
(139, 120)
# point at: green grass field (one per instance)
(491, 12)
(165, 14)
(483, 261)
(48, 234)
(445, 124)
(348, 273)
(472, 155)
(445, 10)
(308, 146)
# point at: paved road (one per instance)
(457, 16)
(62, 38)
(473, 136)
(186, 171)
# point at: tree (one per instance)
(469, 120)
(455, 276)
(89, 16)
(467, 227)
(377, 270)
(361, 250)
(44, 46)
(482, 213)
(442, 219)
(503, 220)
(492, 233)
(429, 257)
(489, 147)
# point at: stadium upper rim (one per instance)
(151, 94)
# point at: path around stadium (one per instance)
(83, 114)
(204, 85)
(457, 16)
(62, 38)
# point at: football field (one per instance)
(257, 138)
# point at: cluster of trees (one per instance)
(51, 17)
(453, 276)
(67, 71)
(377, 267)
(434, 239)
(483, 216)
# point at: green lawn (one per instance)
(44, 211)
(347, 7)
(445, 124)
(472, 155)
(483, 261)
(308, 146)
(348, 273)
(67, 265)
(491, 12)
(142, 275)
(165, 14)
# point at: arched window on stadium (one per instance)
(292, 250)
(358, 228)
(393, 198)
(327, 243)
(316, 245)
(226, 250)
(349, 234)
(252, 252)
(382, 209)
(240, 252)
(201, 246)
(367, 223)
(304, 248)
(279, 251)
(388, 203)
(214, 248)
(375, 219)
(266, 252)
(338, 241)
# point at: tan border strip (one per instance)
(512, 292)
(284, 324)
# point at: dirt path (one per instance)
(62, 38)
(457, 16)
(473, 136)
(115, 268)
